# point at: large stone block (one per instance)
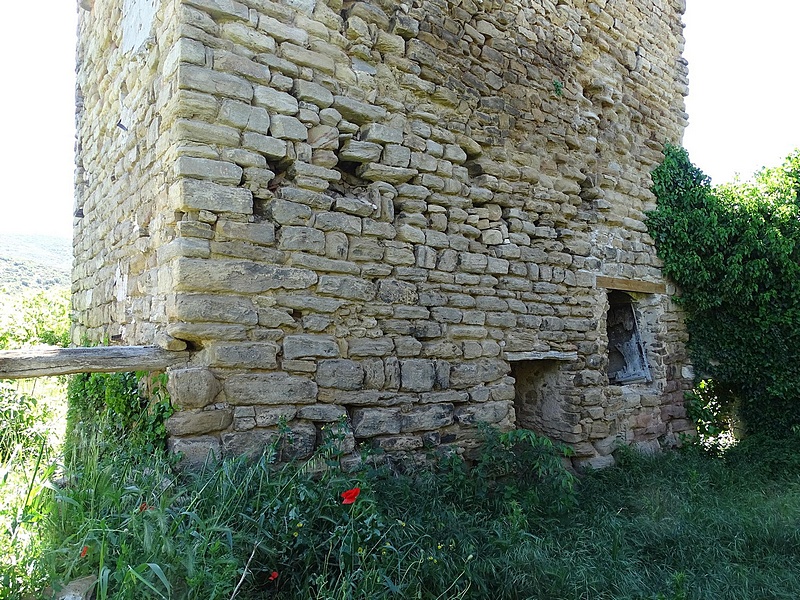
(310, 346)
(250, 355)
(195, 194)
(369, 422)
(195, 451)
(327, 413)
(212, 307)
(417, 375)
(269, 388)
(476, 372)
(350, 288)
(340, 374)
(237, 276)
(194, 422)
(485, 412)
(426, 418)
(195, 387)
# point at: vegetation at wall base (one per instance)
(734, 251)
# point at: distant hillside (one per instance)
(34, 262)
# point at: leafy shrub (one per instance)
(128, 410)
(22, 419)
(734, 251)
(39, 318)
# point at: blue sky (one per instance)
(742, 106)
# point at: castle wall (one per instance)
(406, 218)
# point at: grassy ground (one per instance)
(677, 526)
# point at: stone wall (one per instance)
(405, 218)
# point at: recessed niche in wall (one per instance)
(538, 402)
(627, 359)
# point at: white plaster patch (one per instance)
(137, 23)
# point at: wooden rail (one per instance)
(43, 362)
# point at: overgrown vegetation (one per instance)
(734, 250)
(35, 318)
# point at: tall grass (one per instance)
(515, 524)
(676, 526)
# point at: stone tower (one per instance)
(407, 218)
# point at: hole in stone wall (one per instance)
(538, 401)
(627, 360)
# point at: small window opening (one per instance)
(627, 360)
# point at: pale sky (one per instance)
(743, 102)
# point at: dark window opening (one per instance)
(627, 360)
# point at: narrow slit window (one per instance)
(627, 360)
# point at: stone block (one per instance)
(271, 147)
(237, 276)
(370, 346)
(308, 91)
(369, 422)
(194, 422)
(305, 239)
(198, 78)
(203, 168)
(251, 355)
(280, 31)
(195, 194)
(381, 134)
(360, 152)
(398, 443)
(246, 36)
(426, 418)
(195, 451)
(288, 128)
(477, 372)
(327, 413)
(250, 444)
(393, 291)
(299, 441)
(417, 375)
(256, 233)
(192, 388)
(268, 416)
(307, 58)
(341, 374)
(485, 412)
(269, 389)
(350, 288)
(308, 346)
(212, 307)
(378, 172)
(356, 111)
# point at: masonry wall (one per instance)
(376, 214)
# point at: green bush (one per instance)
(734, 250)
(23, 420)
(39, 318)
(127, 411)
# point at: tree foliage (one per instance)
(35, 318)
(734, 250)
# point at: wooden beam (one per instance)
(43, 362)
(631, 285)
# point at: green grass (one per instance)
(677, 526)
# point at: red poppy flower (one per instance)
(349, 496)
(273, 576)
(84, 550)
(144, 506)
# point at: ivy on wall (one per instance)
(734, 250)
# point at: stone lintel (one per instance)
(552, 355)
(631, 285)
